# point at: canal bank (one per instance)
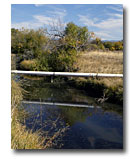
(99, 89)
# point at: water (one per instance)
(93, 126)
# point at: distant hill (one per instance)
(111, 40)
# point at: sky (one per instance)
(105, 20)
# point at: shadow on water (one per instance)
(96, 127)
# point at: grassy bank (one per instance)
(23, 138)
(101, 62)
(98, 89)
(20, 137)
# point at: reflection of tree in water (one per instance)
(71, 115)
(113, 108)
(42, 117)
(75, 114)
(41, 90)
(54, 121)
(59, 91)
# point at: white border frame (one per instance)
(5, 113)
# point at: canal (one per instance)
(92, 126)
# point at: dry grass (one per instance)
(109, 82)
(13, 62)
(21, 138)
(28, 64)
(100, 62)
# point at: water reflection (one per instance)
(97, 127)
(88, 127)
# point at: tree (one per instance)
(54, 50)
(109, 45)
(28, 43)
(66, 46)
(77, 37)
(118, 45)
(98, 43)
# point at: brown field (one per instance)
(100, 62)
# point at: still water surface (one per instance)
(95, 126)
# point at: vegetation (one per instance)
(99, 89)
(52, 51)
(27, 43)
(21, 138)
(13, 62)
(101, 62)
(69, 49)
(28, 64)
(114, 46)
(56, 50)
(97, 44)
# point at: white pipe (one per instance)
(71, 74)
(33, 72)
(60, 104)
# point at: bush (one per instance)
(112, 46)
(51, 54)
(62, 60)
(92, 47)
(28, 65)
(28, 43)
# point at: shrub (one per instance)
(62, 60)
(28, 43)
(28, 65)
(92, 47)
(51, 54)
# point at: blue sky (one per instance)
(105, 20)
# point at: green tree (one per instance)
(65, 49)
(98, 43)
(28, 43)
(56, 51)
(109, 45)
(77, 37)
(118, 45)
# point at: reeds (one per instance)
(21, 138)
